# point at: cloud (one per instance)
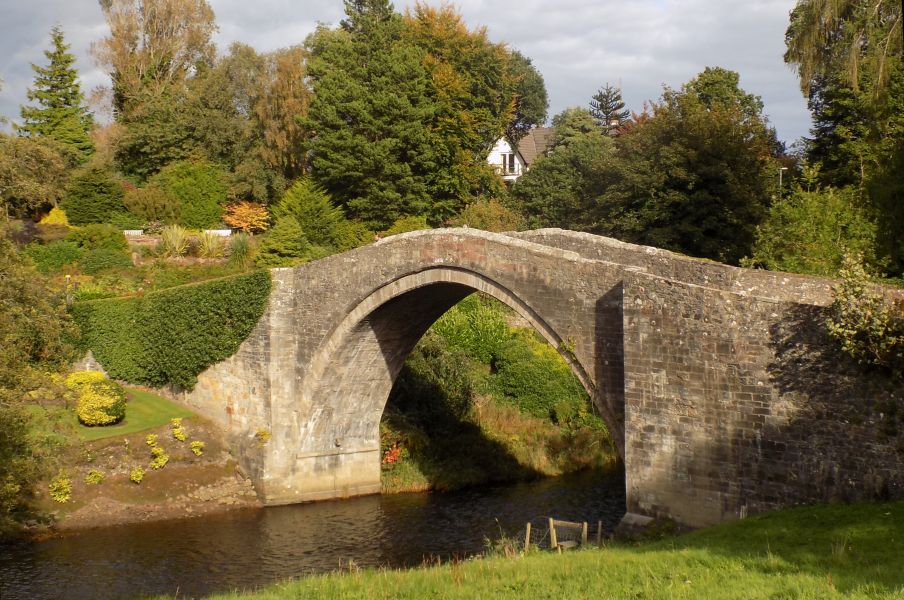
(578, 45)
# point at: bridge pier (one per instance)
(324, 476)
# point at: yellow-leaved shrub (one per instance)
(78, 380)
(101, 403)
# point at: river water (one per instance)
(245, 549)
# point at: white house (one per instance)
(512, 163)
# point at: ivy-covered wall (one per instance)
(171, 336)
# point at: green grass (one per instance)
(836, 551)
(144, 410)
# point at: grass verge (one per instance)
(836, 551)
(144, 410)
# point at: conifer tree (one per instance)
(58, 111)
(608, 109)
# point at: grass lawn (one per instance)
(835, 551)
(144, 410)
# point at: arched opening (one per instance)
(354, 371)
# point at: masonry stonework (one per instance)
(721, 389)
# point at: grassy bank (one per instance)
(838, 551)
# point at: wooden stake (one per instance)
(554, 543)
(599, 533)
(527, 537)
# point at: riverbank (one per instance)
(836, 551)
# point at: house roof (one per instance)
(537, 141)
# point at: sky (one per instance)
(577, 45)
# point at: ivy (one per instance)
(171, 336)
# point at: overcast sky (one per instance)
(578, 45)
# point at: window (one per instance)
(509, 165)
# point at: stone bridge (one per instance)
(718, 383)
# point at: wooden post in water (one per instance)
(527, 537)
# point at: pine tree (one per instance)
(608, 109)
(59, 110)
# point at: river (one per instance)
(246, 549)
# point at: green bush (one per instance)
(102, 259)
(125, 220)
(152, 204)
(136, 475)
(48, 258)
(101, 403)
(94, 477)
(97, 236)
(60, 489)
(321, 223)
(172, 335)
(406, 224)
(92, 197)
(284, 245)
(477, 326)
(868, 326)
(240, 250)
(532, 375)
(198, 188)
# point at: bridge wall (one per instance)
(719, 384)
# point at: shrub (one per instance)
(101, 403)
(48, 233)
(94, 477)
(159, 458)
(92, 196)
(54, 256)
(56, 216)
(197, 447)
(80, 379)
(868, 326)
(125, 220)
(490, 215)
(152, 204)
(198, 187)
(250, 217)
(60, 489)
(532, 375)
(155, 339)
(98, 236)
(240, 250)
(102, 259)
(285, 245)
(136, 475)
(173, 241)
(151, 439)
(476, 325)
(210, 245)
(352, 234)
(406, 224)
(310, 206)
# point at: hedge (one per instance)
(171, 336)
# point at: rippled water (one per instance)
(250, 548)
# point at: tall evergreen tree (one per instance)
(608, 108)
(59, 111)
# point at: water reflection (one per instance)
(250, 548)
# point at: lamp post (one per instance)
(781, 172)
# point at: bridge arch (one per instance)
(352, 372)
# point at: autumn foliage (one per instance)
(250, 217)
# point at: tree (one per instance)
(247, 216)
(198, 187)
(844, 38)
(93, 196)
(812, 231)
(716, 86)
(561, 189)
(531, 99)
(33, 174)
(321, 222)
(153, 46)
(33, 330)
(59, 112)
(370, 113)
(694, 178)
(284, 246)
(284, 98)
(608, 109)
